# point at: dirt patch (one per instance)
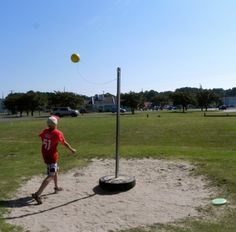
(165, 191)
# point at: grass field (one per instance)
(208, 142)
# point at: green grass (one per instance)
(208, 142)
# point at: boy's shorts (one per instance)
(52, 169)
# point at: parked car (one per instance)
(83, 111)
(171, 108)
(122, 110)
(222, 107)
(65, 111)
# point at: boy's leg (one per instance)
(55, 180)
(51, 171)
(56, 188)
(44, 184)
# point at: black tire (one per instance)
(120, 184)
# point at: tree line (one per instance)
(39, 101)
(183, 97)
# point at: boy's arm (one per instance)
(66, 144)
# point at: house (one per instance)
(148, 106)
(102, 103)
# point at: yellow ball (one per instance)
(75, 58)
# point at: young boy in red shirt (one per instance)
(51, 136)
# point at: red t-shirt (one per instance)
(50, 139)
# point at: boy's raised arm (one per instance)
(66, 144)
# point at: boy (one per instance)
(51, 136)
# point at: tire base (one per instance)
(119, 184)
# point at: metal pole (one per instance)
(118, 123)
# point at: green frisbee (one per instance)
(219, 201)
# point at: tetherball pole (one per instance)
(118, 123)
(118, 182)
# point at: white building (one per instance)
(101, 103)
(229, 101)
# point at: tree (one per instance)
(15, 102)
(205, 97)
(182, 98)
(42, 101)
(230, 92)
(31, 102)
(131, 100)
(10, 103)
(65, 99)
(141, 102)
(148, 95)
(219, 92)
(161, 100)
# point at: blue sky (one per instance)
(159, 44)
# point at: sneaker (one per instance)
(57, 189)
(37, 198)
